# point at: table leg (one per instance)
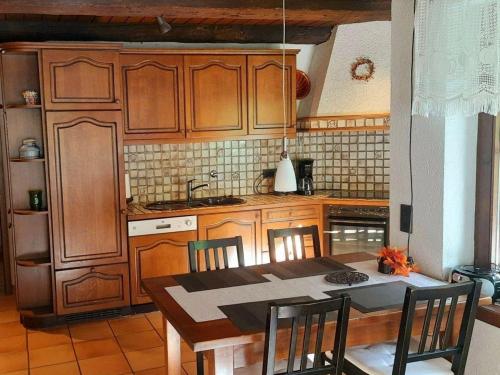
(220, 361)
(172, 349)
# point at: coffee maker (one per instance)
(305, 177)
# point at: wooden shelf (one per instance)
(345, 129)
(23, 106)
(30, 212)
(19, 160)
(34, 261)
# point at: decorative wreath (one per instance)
(362, 69)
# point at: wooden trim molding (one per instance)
(489, 314)
(485, 191)
(345, 117)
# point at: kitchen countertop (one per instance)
(138, 212)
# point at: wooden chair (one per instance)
(289, 237)
(305, 316)
(422, 357)
(207, 247)
(213, 246)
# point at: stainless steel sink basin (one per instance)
(203, 202)
(221, 201)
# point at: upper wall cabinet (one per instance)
(216, 95)
(81, 79)
(88, 200)
(153, 93)
(265, 94)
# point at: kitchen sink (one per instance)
(220, 201)
(183, 204)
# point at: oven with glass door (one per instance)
(353, 229)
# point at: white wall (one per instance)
(443, 155)
(338, 92)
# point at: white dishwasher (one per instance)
(158, 247)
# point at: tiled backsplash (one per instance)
(343, 160)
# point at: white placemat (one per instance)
(203, 306)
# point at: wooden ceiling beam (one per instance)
(39, 31)
(332, 11)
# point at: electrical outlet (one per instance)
(406, 218)
(268, 173)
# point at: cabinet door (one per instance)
(288, 224)
(87, 191)
(153, 92)
(230, 224)
(265, 94)
(157, 255)
(92, 288)
(80, 79)
(216, 96)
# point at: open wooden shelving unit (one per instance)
(28, 230)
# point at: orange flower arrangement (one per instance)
(397, 260)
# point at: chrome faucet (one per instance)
(190, 189)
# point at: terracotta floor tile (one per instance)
(70, 368)
(90, 331)
(153, 371)
(146, 359)
(50, 337)
(21, 372)
(96, 348)
(11, 329)
(139, 341)
(7, 303)
(9, 316)
(52, 355)
(14, 361)
(156, 319)
(115, 364)
(132, 324)
(13, 344)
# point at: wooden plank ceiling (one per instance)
(250, 21)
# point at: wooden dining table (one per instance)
(231, 337)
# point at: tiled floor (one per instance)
(127, 345)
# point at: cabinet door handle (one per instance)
(163, 226)
(10, 225)
(117, 101)
(123, 211)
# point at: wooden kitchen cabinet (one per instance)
(246, 224)
(88, 205)
(153, 92)
(157, 255)
(216, 95)
(81, 79)
(92, 288)
(265, 94)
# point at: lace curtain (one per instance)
(457, 57)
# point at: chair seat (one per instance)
(379, 360)
(256, 369)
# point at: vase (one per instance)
(382, 267)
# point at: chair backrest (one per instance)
(428, 350)
(304, 318)
(294, 242)
(212, 251)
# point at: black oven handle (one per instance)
(350, 222)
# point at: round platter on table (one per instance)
(346, 277)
